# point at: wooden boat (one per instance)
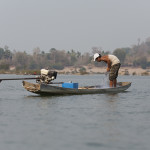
(47, 89)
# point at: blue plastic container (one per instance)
(70, 85)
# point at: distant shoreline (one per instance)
(101, 70)
(87, 70)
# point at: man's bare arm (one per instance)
(106, 59)
(108, 65)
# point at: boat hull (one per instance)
(45, 89)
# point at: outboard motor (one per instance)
(47, 76)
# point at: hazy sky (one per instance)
(73, 24)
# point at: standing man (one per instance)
(113, 65)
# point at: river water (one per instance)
(80, 122)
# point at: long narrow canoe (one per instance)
(46, 89)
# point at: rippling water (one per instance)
(83, 122)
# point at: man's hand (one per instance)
(108, 69)
(106, 73)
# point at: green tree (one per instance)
(1, 53)
(121, 54)
(7, 54)
(4, 64)
(20, 60)
(142, 62)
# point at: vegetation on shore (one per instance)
(22, 62)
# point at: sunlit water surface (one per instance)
(79, 122)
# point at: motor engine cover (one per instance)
(47, 76)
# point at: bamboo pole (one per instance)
(20, 78)
(6, 79)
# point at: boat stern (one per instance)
(31, 87)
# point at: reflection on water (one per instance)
(105, 81)
(99, 121)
